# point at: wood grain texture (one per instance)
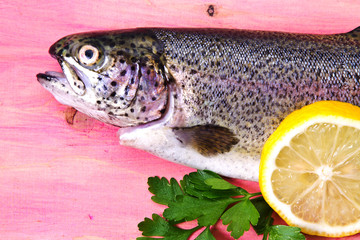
(61, 181)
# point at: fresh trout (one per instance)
(206, 98)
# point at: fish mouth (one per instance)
(68, 77)
(51, 76)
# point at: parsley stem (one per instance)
(255, 194)
(269, 222)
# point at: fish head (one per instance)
(116, 77)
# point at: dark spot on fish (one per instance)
(153, 98)
(133, 68)
(113, 83)
(126, 115)
(132, 81)
(140, 88)
(146, 119)
(122, 61)
(156, 84)
(223, 77)
(193, 71)
(132, 45)
(99, 78)
(105, 87)
(148, 72)
(172, 67)
(133, 59)
(68, 55)
(98, 102)
(143, 109)
(127, 90)
(132, 110)
(162, 111)
(123, 73)
(113, 94)
(120, 52)
(60, 52)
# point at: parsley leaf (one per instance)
(239, 217)
(188, 208)
(280, 232)
(201, 184)
(159, 227)
(265, 212)
(206, 197)
(164, 192)
(205, 235)
(220, 184)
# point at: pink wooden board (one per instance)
(61, 181)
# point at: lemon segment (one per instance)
(310, 169)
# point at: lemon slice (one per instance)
(310, 169)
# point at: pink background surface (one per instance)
(61, 181)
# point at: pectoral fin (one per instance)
(208, 140)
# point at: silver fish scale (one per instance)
(248, 81)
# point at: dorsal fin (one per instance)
(354, 33)
(208, 140)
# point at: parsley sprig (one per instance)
(206, 197)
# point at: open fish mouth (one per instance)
(50, 79)
(68, 78)
(52, 76)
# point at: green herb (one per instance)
(205, 197)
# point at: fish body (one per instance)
(206, 98)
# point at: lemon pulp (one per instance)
(310, 169)
(324, 178)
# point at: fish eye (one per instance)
(88, 55)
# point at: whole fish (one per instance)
(206, 98)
